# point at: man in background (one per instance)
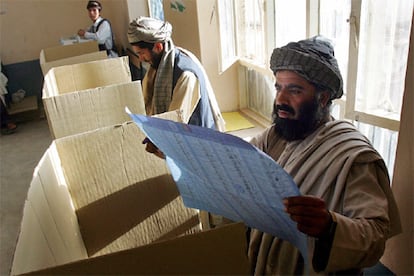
(7, 126)
(347, 208)
(176, 80)
(100, 30)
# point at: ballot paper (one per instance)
(225, 175)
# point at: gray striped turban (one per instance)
(314, 60)
(149, 30)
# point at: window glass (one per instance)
(156, 9)
(261, 93)
(290, 21)
(334, 25)
(251, 30)
(383, 48)
(227, 33)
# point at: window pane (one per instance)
(227, 33)
(333, 24)
(290, 21)
(251, 30)
(383, 49)
(261, 92)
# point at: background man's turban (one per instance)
(314, 60)
(149, 30)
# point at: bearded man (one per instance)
(176, 80)
(347, 208)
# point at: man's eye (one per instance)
(295, 91)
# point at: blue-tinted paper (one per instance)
(227, 176)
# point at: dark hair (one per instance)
(144, 45)
(94, 4)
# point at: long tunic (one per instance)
(339, 165)
(191, 94)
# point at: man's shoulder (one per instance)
(339, 127)
(186, 62)
(101, 21)
(347, 137)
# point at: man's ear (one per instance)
(324, 98)
(158, 47)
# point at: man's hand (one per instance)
(151, 148)
(81, 32)
(310, 213)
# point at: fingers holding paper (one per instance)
(310, 214)
(151, 148)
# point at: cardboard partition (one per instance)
(87, 75)
(65, 51)
(96, 193)
(99, 55)
(215, 252)
(85, 110)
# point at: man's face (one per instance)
(93, 13)
(153, 57)
(297, 108)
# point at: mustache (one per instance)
(284, 107)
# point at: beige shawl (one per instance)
(320, 165)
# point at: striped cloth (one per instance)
(314, 60)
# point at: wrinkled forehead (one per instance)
(290, 76)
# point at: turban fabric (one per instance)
(314, 60)
(149, 30)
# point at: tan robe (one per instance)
(339, 165)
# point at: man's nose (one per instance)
(282, 96)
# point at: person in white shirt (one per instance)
(101, 29)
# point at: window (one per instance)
(290, 21)
(156, 9)
(334, 24)
(382, 59)
(251, 30)
(243, 21)
(227, 33)
(371, 40)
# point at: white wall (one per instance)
(399, 254)
(196, 29)
(28, 26)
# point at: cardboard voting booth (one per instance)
(81, 76)
(70, 54)
(99, 204)
(80, 111)
(73, 60)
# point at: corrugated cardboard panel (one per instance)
(175, 115)
(66, 51)
(60, 202)
(82, 76)
(220, 251)
(32, 250)
(98, 55)
(43, 213)
(103, 191)
(49, 232)
(85, 110)
(123, 196)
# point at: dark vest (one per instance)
(202, 115)
(102, 47)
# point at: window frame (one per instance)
(227, 58)
(347, 104)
